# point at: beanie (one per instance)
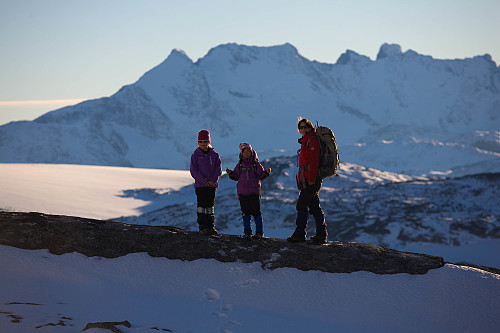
(244, 145)
(204, 135)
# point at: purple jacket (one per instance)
(248, 175)
(205, 167)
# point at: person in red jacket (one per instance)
(309, 183)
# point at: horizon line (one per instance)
(42, 102)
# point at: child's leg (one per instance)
(257, 215)
(259, 225)
(246, 213)
(247, 228)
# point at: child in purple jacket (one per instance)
(249, 172)
(205, 169)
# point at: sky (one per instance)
(60, 52)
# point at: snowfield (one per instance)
(39, 290)
(42, 292)
(78, 190)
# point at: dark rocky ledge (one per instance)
(64, 234)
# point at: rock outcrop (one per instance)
(64, 234)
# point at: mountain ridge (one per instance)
(402, 104)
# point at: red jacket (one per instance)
(309, 157)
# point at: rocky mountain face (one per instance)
(403, 112)
(64, 234)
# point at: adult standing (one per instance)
(205, 169)
(309, 183)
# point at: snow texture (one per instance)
(41, 292)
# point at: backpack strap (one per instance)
(313, 136)
(254, 168)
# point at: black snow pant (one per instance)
(205, 197)
(309, 200)
(250, 205)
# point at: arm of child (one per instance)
(235, 174)
(261, 173)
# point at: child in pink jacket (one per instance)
(249, 172)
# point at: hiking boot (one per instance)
(321, 231)
(209, 232)
(318, 239)
(259, 235)
(247, 236)
(299, 235)
(296, 239)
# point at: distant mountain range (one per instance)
(403, 112)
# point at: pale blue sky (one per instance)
(69, 50)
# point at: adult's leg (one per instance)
(308, 197)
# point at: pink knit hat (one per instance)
(204, 135)
(244, 145)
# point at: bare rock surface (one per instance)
(64, 234)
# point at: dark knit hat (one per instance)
(204, 135)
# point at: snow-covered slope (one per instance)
(42, 292)
(455, 218)
(87, 191)
(403, 112)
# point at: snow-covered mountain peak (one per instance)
(384, 113)
(350, 56)
(234, 49)
(234, 55)
(179, 56)
(174, 64)
(389, 50)
(484, 61)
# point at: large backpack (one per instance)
(329, 156)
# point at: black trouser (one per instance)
(205, 196)
(309, 198)
(250, 205)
